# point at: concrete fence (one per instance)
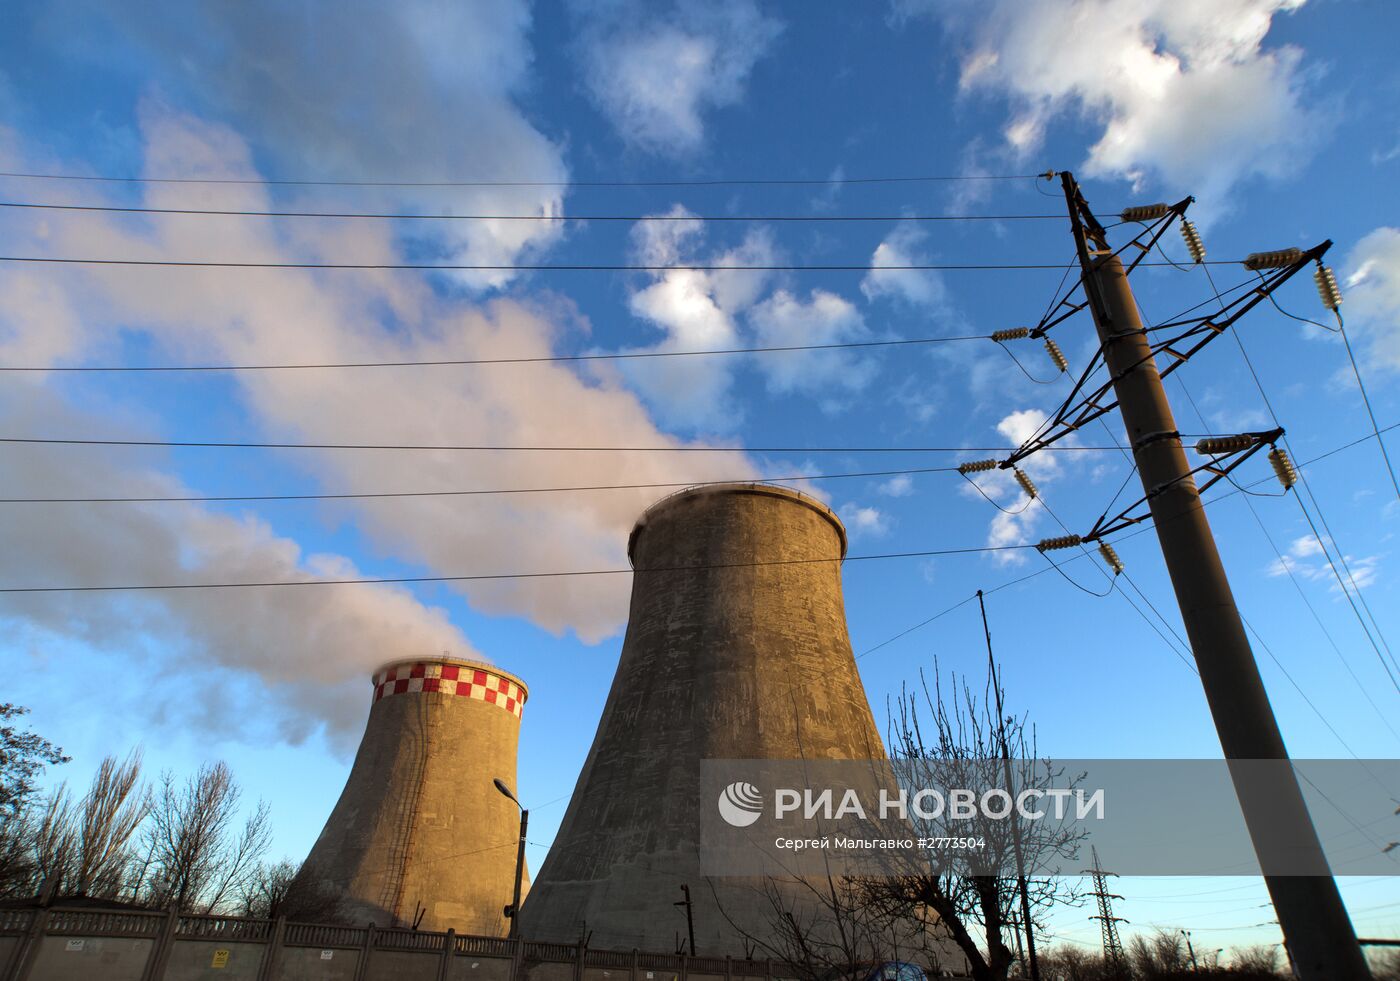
(61, 944)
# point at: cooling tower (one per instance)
(419, 828)
(736, 648)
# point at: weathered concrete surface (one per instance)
(65, 958)
(419, 825)
(725, 657)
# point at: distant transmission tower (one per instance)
(1112, 946)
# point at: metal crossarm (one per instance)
(1218, 470)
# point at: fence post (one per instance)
(728, 968)
(685, 970)
(633, 975)
(768, 969)
(449, 948)
(578, 961)
(160, 951)
(362, 968)
(268, 969)
(28, 947)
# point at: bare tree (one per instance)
(1161, 955)
(55, 842)
(1260, 960)
(273, 890)
(957, 741)
(200, 857)
(824, 928)
(1067, 963)
(108, 818)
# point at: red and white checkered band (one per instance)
(451, 679)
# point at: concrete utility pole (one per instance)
(1311, 915)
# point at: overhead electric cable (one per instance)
(484, 577)
(547, 267)
(219, 444)
(664, 182)
(551, 575)
(1376, 432)
(463, 493)
(1288, 568)
(542, 359)
(416, 216)
(1366, 400)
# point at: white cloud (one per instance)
(655, 70)
(697, 311)
(900, 486)
(414, 90)
(1307, 560)
(701, 310)
(1185, 92)
(1371, 293)
(1017, 517)
(289, 315)
(785, 320)
(922, 287)
(313, 647)
(862, 521)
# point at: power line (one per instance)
(215, 444)
(415, 216)
(554, 267)
(461, 493)
(543, 359)
(1366, 399)
(503, 575)
(664, 182)
(1376, 432)
(1288, 568)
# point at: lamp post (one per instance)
(513, 910)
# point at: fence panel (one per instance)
(409, 940)
(485, 946)
(320, 935)
(103, 923)
(234, 928)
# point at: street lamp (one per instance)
(513, 910)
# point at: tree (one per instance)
(108, 818)
(54, 842)
(958, 742)
(22, 756)
(1162, 955)
(825, 928)
(273, 890)
(200, 859)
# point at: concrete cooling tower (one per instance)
(419, 829)
(736, 648)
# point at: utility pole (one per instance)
(1010, 789)
(1314, 921)
(689, 915)
(1191, 951)
(1108, 923)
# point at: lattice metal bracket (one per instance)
(1215, 466)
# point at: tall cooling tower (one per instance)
(419, 829)
(736, 648)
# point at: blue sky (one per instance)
(1281, 117)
